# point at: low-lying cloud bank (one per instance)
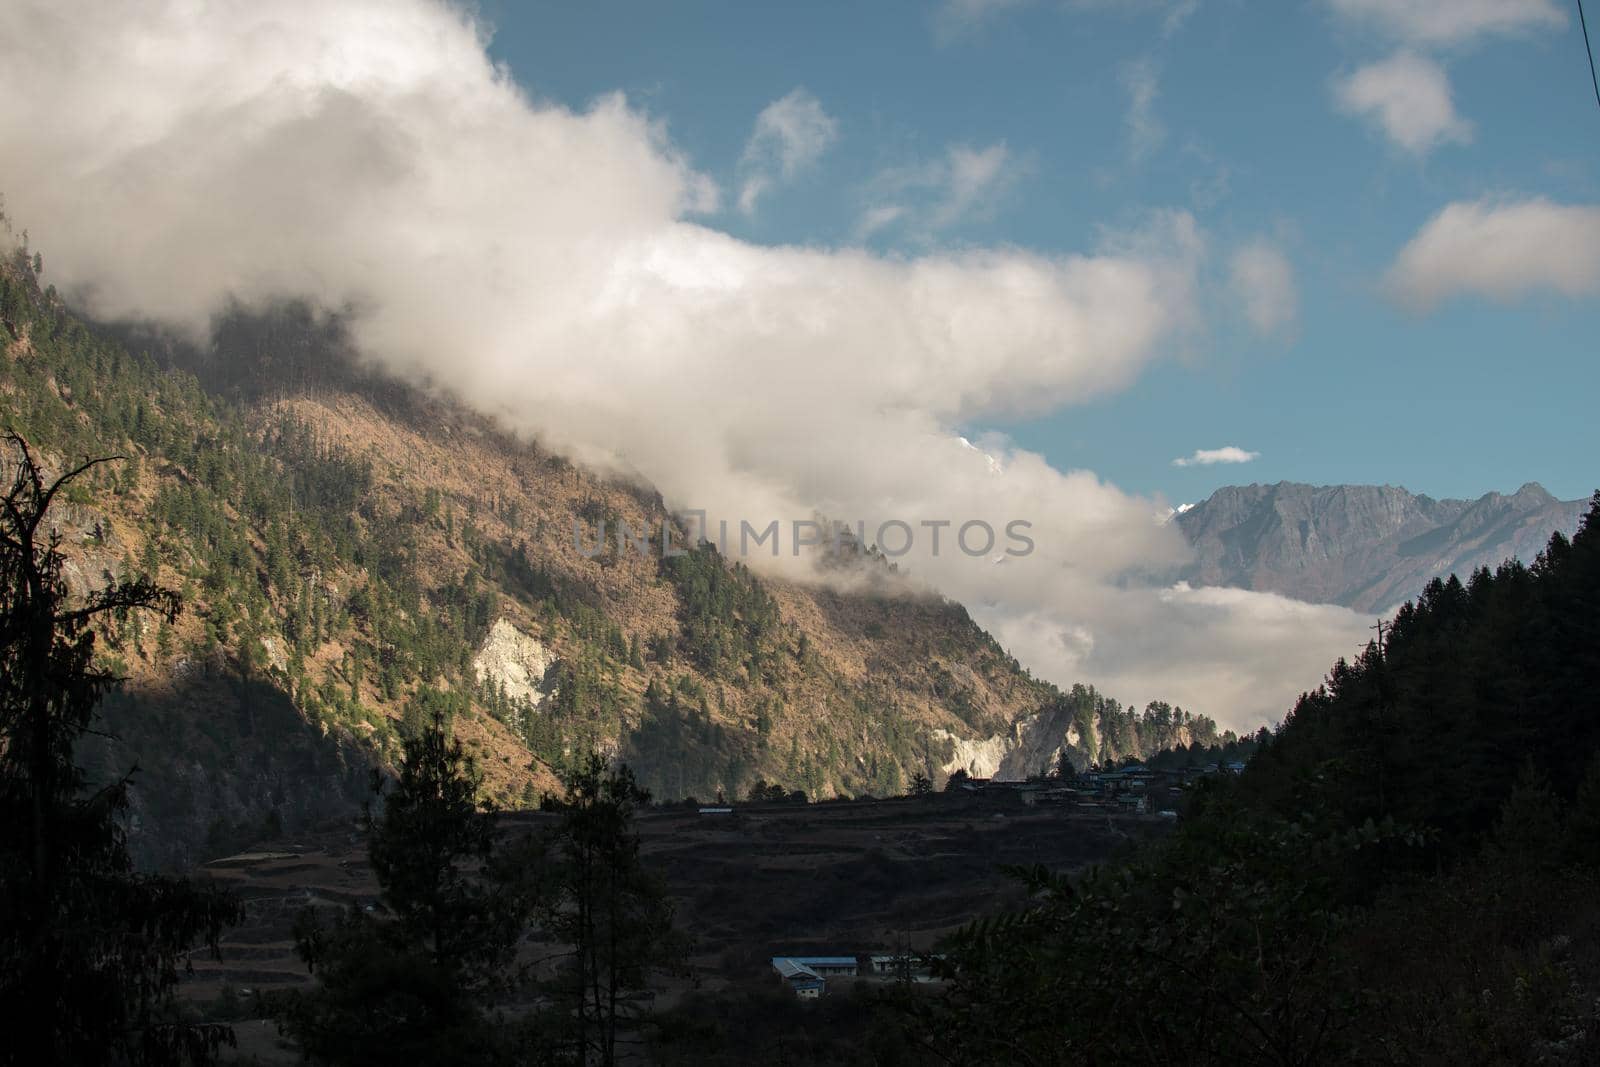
(547, 266)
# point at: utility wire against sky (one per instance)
(1583, 22)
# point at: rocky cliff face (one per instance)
(1367, 547)
(1084, 727)
(515, 662)
(1031, 745)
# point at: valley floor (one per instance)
(840, 878)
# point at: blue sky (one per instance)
(1240, 124)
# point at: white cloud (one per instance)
(790, 135)
(877, 218)
(1206, 457)
(974, 176)
(1219, 642)
(1261, 279)
(1408, 97)
(1141, 79)
(953, 19)
(964, 186)
(1501, 249)
(1174, 13)
(1211, 178)
(544, 264)
(1451, 22)
(1177, 14)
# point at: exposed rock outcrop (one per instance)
(514, 661)
(1033, 745)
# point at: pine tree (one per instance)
(425, 984)
(89, 948)
(612, 912)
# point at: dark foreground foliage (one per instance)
(426, 981)
(90, 950)
(610, 915)
(1408, 872)
(490, 946)
(769, 1024)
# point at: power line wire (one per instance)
(1588, 51)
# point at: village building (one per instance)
(807, 976)
(801, 980)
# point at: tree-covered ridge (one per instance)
(1407, 871)
(298, 568)
(1472, 682)
(345, 543)
(730, 622)
(1108, 731)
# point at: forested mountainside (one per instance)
(353, 553)
(1408, 871)
(1368, 547)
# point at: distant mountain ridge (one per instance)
(1367, 547)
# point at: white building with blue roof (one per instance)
(807, 976)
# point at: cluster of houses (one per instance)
(1130, 789)
(807, 976)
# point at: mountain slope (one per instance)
(354, 553)
(1364, 546)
